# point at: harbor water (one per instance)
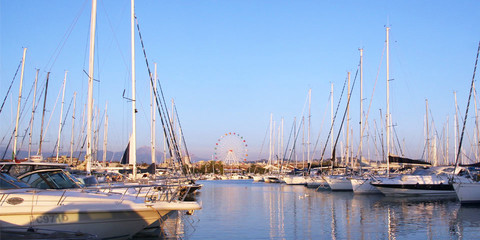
(243, 209)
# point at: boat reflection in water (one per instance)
(243, 209)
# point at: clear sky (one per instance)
(230, 64)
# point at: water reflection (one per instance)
(241, 209)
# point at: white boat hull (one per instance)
(339, 183)
(295, 180)
(363, 186)
(111, 216)
(415, 185)
(467, 192)
(317, 183)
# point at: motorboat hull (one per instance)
(107, 216)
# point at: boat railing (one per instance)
(151, 192)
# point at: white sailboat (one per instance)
(467, 187)
(342, 182)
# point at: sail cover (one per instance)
(398, 159)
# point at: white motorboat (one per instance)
(339, 182)
(105, 215)
(62, 205)
(432, 181)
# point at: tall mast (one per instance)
(61, 115)
(33, 114)
(133, 143)
(14, 153)
(361, 103)
(270, 148)
(387, 116)
(309, 120)
(39, 152)
(105, 137)
(93, 20)
(477, 133)
(347, 129)
(303, 142)
(152, 112)
(455, 127)
(281, 142)
(427, 142)
(72, 139)
(446, 143)
(331, 119)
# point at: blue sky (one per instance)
(230, 64)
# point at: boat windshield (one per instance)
(51, 179)
(9, 182)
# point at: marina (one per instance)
(239, 120)
(242, 209)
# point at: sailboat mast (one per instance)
(455, 127)
(427, 141)
(361, 104)
(105, 137)
(39, 152)
(61, 115)
(309, 121)
(14, 153)
(93, 20)
(446, 142)
(331, 119)
(33, 114)
(133, 143)
(270, 142)
(73, 127)
(387, 116)
(347, 129)
(152, 112)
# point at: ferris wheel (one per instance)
(231, 148)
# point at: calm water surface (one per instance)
(242, 209)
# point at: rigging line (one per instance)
(51, 114)
(296, 136)
(371, 98)
(8, 145)
(466, 112)
(320, 132)
(344, 115)
(114, 35)
(181, 131)
(63, 124)
(161, 106)
(66, 36)
(10, 87)
(286, 150)
(334, 117)
(263, 143)
(21, 114)
(398, 141)
(294, 142)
